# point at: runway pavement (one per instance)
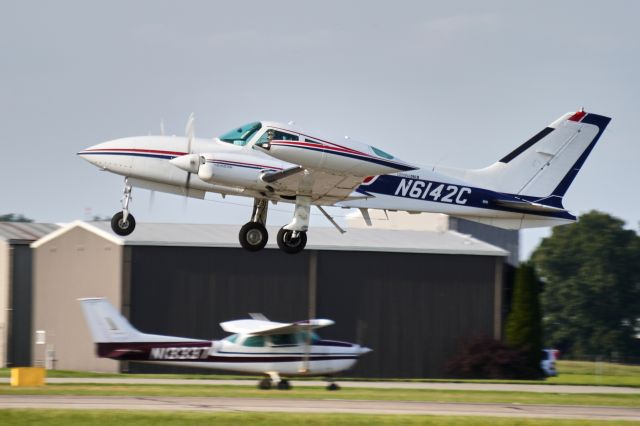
(314, 406)
(364, 384)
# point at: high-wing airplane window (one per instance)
(283, 339)
(241, 135)
(303, 337)
(231, 338)
(254, 341)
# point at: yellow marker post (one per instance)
(27, 376)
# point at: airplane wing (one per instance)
(260, 327)
(326, 188)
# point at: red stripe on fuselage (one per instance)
(148, 151)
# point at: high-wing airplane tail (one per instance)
(107, 325)
(542, 168)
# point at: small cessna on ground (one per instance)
(258, 346)
(275, 162)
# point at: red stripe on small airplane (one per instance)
(149, 151)
(577, 116)
(325, 147)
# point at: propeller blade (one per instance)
(189, 131)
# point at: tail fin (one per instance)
(543, 168)
(106, 323)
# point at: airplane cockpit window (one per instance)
(241, 135)
(254, 341)
(277, 135)
(283, 339)
(232, 338)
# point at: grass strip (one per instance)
(301, 392)
(14, 417)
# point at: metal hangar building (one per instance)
(411, 296)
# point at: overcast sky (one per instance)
(458, 83)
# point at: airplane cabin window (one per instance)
(254, 341)
(231, 338)
(381, 153)
(282, 136)
(303, 337)
(283, 339)
(241, 135)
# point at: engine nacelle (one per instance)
(234, 170)
(351, 158)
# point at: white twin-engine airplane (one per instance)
(275, 162)
(258, 346)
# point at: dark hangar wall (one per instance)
(412, 309)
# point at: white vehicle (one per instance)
(258, 346)
(548, 362)
(273, 162)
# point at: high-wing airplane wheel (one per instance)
(284, 385)
(289, 244)
(121, 227)
(253, 236)
(265, 384)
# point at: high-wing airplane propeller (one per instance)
(274, 162)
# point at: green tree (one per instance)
(524, 323)
(591, 297)
(12, 217)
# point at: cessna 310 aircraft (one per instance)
(276, 162)
(258, 346)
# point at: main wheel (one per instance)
(253, 236)
(284, 384)
(289, 244)
(264, 384)
(121, 227)
(333, 387)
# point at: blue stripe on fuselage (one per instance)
(448, 193)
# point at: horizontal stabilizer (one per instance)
(259, 327)
(528, 207)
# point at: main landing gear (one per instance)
(274, 377)
(253, 235)
(123, 223)
(292, 238)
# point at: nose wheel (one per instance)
(123, 223)
(121, 226)
(291, 242)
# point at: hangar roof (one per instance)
(319, 238)
(24, 232)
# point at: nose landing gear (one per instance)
(123, 223)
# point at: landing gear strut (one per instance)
(253, 235)
(292, 238)
(123, 223)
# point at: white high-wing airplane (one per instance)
(275, 162)
(258, 346)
